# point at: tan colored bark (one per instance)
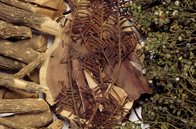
(38, 43)
(33, 120)
(51, 8)
(31, 66)
(16, 94)
(12, 124)
(9, 64)
(23, 105)
(17, 84)
(33, 20)
(8, 30)
(18, 52)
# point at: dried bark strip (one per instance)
(23, 105)
(17, 84)
(38, 43)
(87, 101)
(31, 66)
(8, 30)
(16, 94)
(9, 64)
(34, 120)
(51, 8)
(13, 124)
(18, 52)
(35, 21)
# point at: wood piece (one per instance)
(56, 63)
(16, 94)
(18, 52)
(33, 120)
(87, 99)
(31, 66)
(4, 127)
(34, 76)
(23, 105)
(57, 124)
(38, 43)
(2, 92)
(8, 30)
(9, 64)
(52, 8)
(12, 124)
(13, 83)
(35, 21)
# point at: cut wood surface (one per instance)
(57, 124)
(54, 69)
(8, 30)
(32, 120)
(18, 52)
(23, 17)
(38, 43)
(51, 8)
(23, 105)
(17, 84)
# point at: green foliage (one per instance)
(170, 61)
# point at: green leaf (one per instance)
(178, 113)
(124, 127)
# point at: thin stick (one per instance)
(13, 83)
(31, 66)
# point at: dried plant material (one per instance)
(130, 77)
(57, 124)
(12, 124)
(16, 94)
(84, 89)
(99, 27)
(73, 125)
(2, 92)
(31, 66)
(52, 8)
(32, 120)
(4, 127)
(119, 94)
(23, 106)
(9, 64)
(18, 52)
(17, 84)
(55, 63)
(38, 43)
(8, 30)
(34, 76)
(35, 21)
